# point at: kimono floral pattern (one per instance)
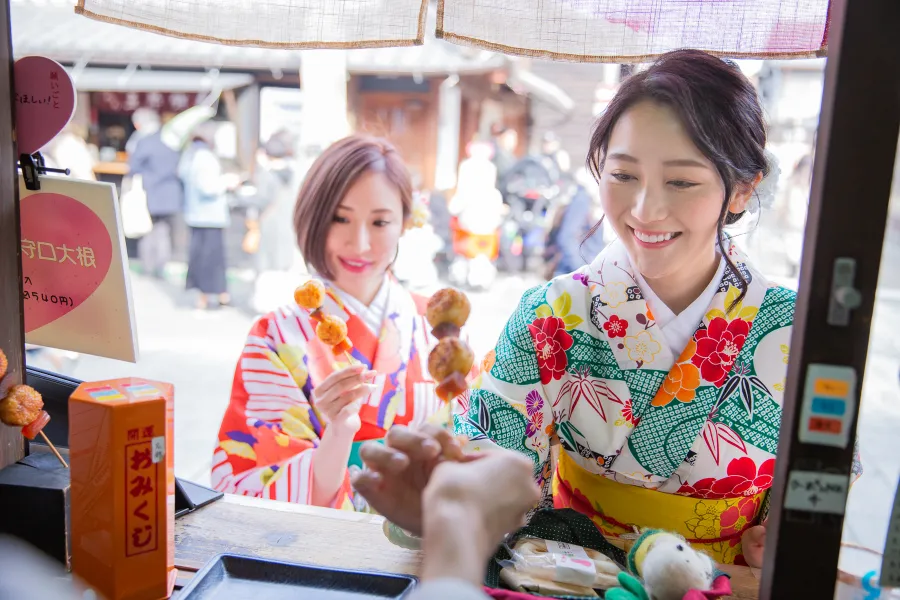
(271, 429)
(582, 359)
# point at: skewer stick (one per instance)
(55, 451)
(348, 357)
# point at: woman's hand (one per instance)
(339, 397)
(399, 470)
(754, 543)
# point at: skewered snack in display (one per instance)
(23, 407)
(452, 359)
(3, 364)
(330, 330)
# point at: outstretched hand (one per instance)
(399, 470)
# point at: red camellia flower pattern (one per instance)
(551, 340)
(743, 480)
(736, 519)
(718, 346)
(616, 327)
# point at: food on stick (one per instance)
(447, 312)
(21, 406)
(451, 360)
(330, 330)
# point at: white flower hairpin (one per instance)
(764, 195)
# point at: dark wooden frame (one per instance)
(12, 331)
(857, 141)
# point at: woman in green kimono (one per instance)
(660, 367)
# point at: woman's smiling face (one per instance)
(662, 195)
(363, 237)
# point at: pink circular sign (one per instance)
(45, 101)
(66, 254)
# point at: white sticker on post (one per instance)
(565, 549)
(817, 492)
(159, 448)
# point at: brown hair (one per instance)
(720, 110)
(330, 177)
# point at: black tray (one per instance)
(235, 577)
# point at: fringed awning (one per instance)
(288, 24)
(624, 31)
(619, 31)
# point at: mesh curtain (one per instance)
(637, 30)
(272, 23)
(577, 30)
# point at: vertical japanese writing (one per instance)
(54, 88)
(141, 485)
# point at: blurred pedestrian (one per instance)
(206, 213)
(154, 166)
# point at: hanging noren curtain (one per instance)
(637, 30)
(296, 24)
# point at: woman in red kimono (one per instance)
(298, 413)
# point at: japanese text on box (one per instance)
(141, 481)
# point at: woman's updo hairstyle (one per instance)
(720, 111)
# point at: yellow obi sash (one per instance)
(711, 525)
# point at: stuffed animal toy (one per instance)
(664, 567)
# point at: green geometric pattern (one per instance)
(664, 436)
(643, 385)
(505, 425)
(776, 312)
(593, 353)
(516, 361)
(762, 431)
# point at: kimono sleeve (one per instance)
(270, 432)
(507, 405)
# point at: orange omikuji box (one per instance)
(123, 488)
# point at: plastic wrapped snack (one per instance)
(549, 567)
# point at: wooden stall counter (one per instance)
(321, 536)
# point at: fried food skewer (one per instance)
(23, 407)
(330, 330)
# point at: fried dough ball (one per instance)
(331, 330)
(21, 406)
(310, 295)
(451, 355)
(448, 307)
(3, 364)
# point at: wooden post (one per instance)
(12, 333)
(848, 210)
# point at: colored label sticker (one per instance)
(105, 394)
(832, 387)
(142, 391)
(822, 425)
(829, 406)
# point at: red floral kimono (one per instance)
(270, 432)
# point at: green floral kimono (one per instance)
(682, 439)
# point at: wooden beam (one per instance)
(12, 333)
(848, 211)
